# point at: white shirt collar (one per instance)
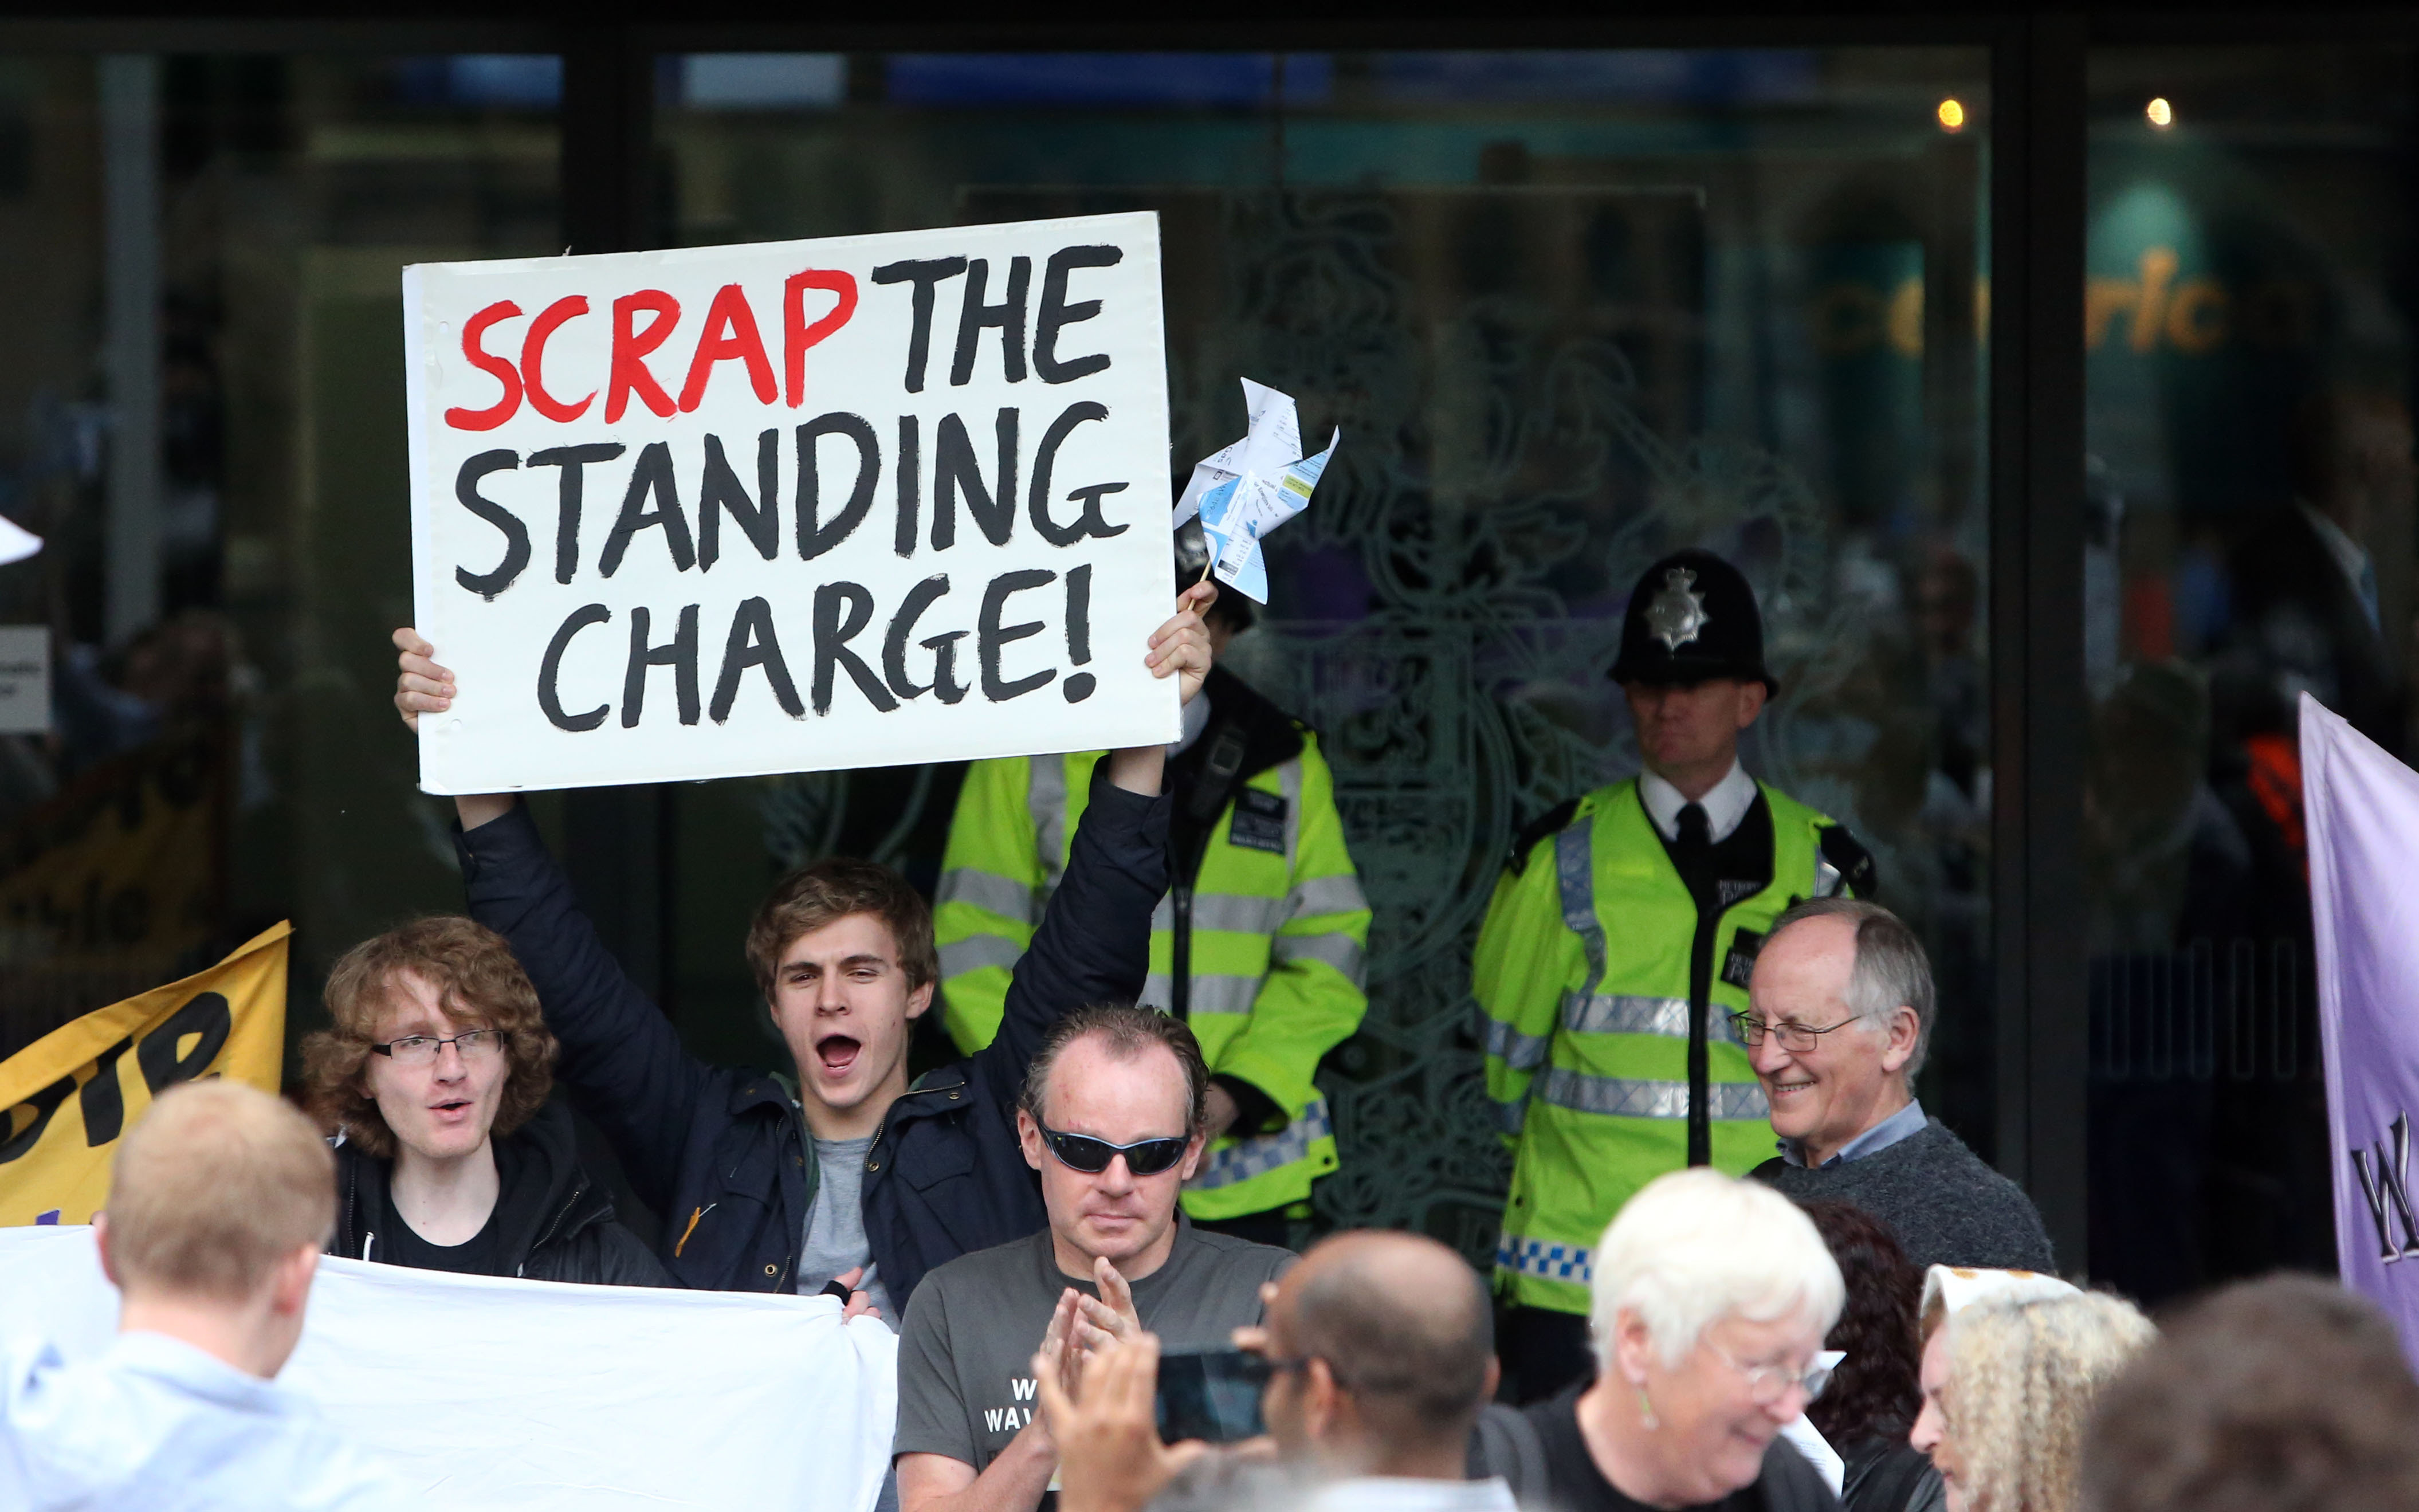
(1725, 805)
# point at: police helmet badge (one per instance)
(1677, 614)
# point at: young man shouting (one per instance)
(862, 1181)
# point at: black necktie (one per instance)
(1696, 835)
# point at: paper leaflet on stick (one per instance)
(1243, 492)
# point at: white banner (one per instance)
(537, 1396)
(791, 507)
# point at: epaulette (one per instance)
(1844, 854)
(1552, 822)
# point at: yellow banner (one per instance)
(66, 1098)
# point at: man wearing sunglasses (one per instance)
(1113, 1115)
(1840, 1013)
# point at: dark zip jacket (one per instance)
(723, 1154)
(553, 1223)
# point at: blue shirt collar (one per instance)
(1906, 1122)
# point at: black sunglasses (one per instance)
(1082, 1152)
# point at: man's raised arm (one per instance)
(1093, 943)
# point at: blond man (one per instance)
(219, 1204)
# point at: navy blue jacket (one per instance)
(723, 1154)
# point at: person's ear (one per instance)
(919, 1000)
(108, 1260)
(1323, 1399)
(1751, 698)
(1193, 1148)
(1028, 1136)
(1904, 1028)
(1633, 1347)
(291, 1288)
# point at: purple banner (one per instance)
(2362, 807)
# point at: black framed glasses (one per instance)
(422, 1049)
(1082, 1152)
(1794, 1037)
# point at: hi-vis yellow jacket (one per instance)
(1272, 928)
(1588, 970)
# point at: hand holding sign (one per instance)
(1247, 489)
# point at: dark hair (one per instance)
(1408, 1343)
(1878, 1390)
(2284, 1394)
(1126, 1032)
(479, 981)
(834, 888)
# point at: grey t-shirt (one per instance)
(965, 1358)
(835, 1241)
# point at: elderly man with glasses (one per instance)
(1840, 1013)
(1114, 1116)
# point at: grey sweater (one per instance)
(1944, 1205)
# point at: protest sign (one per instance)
(791, 506)
(66, 1098)
(2360, 808)
(490, 1392)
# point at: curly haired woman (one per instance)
(449, 1156)
(2009, 1380)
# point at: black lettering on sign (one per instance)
(752, 643)
(815, 538)
(832, 636)
(954, 467)
(549, 697)
(722, 490)
(207, 1017)
(679, 654)
(911, 464)
(1079, 686)
(925, 273)
(103, 1100)
(1056, 314)
(652, 478)
(574, 461)
(991, 637)
(517, 537)
(43, 1103)
(1045, 458)
(902, 625)
(1008, 314)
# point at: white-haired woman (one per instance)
(1711, 1299)
(2010, 1379)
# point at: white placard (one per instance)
(791, 507)
(25, 679)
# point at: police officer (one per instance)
(1259, 943)
(1617, 942)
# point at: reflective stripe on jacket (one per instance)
(1583, 973)
(1278, 925)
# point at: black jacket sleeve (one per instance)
(1093, 945)
(621, 1058)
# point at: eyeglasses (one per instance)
(1144, 1157)
(1794, 1037)
(1768, 1384)
(420, 1049)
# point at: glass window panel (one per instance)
(1571, 310)
(203, 414)
(2250, 537)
